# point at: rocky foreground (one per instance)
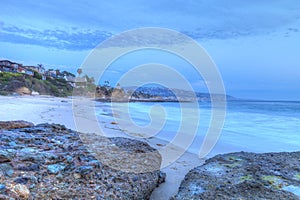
(48, 161)
(244, 176)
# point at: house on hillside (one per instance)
(23, 70)
(39, 69)
(8, 66)
(29, 72)
(51, 73)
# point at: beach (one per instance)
(258, 127)
(47, 109)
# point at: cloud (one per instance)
(82, 25)
(60, 39)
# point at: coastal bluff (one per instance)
(49, 161)
(244, 176)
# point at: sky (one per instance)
(254, 43)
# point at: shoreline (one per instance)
(58, 110)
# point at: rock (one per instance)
(162, 177)
(30, 167)
(12, 143)
(2, 187)
(34, 93)
(23, 91)
(33, 157)
(15, 124)
(55, 168)
(21, 190)
(77, 176)
(83, 170)
(22, 180)
(6, 169)
(55, 164)
(5, 197)
(5, 156)
(244, 176)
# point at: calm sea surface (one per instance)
(256, 126)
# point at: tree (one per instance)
(66, 73)
(37, 75)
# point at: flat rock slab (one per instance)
(244, 176)
(15, 124)
(48, 161)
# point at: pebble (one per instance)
(83, 170)
(6, 169)
(5, 156)
(21, 190)
(55, 168)
(2, 187)
(77, 176)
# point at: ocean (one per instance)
(253, 126)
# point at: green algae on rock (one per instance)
(244, 176)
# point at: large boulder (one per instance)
(23, 91)
(244, 176)
(51, 162)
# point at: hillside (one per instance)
(11, 83)
(166, 93)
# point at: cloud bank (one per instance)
(82, 25)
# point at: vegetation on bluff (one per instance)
(10, 83)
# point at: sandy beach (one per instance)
(46, 109)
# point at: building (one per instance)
(8, 66)
(21, 70)
(51, 73)
(39, 69)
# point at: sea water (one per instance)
(254, 126)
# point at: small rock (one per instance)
(4, 197)
(12, 143)
(55, 168)
(6, 169)
(2, 187)
(162, 177)
(22, 180)
(22, 191)
(69, 159)
(83, 170)
(50, 156)
(30, 154)
(32, 167)
(5, 156)
(28, 150)
(77, 176)
(60, 177)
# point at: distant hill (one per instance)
(170, 93)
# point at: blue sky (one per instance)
(254, 43)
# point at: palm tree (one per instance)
(79, 71)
